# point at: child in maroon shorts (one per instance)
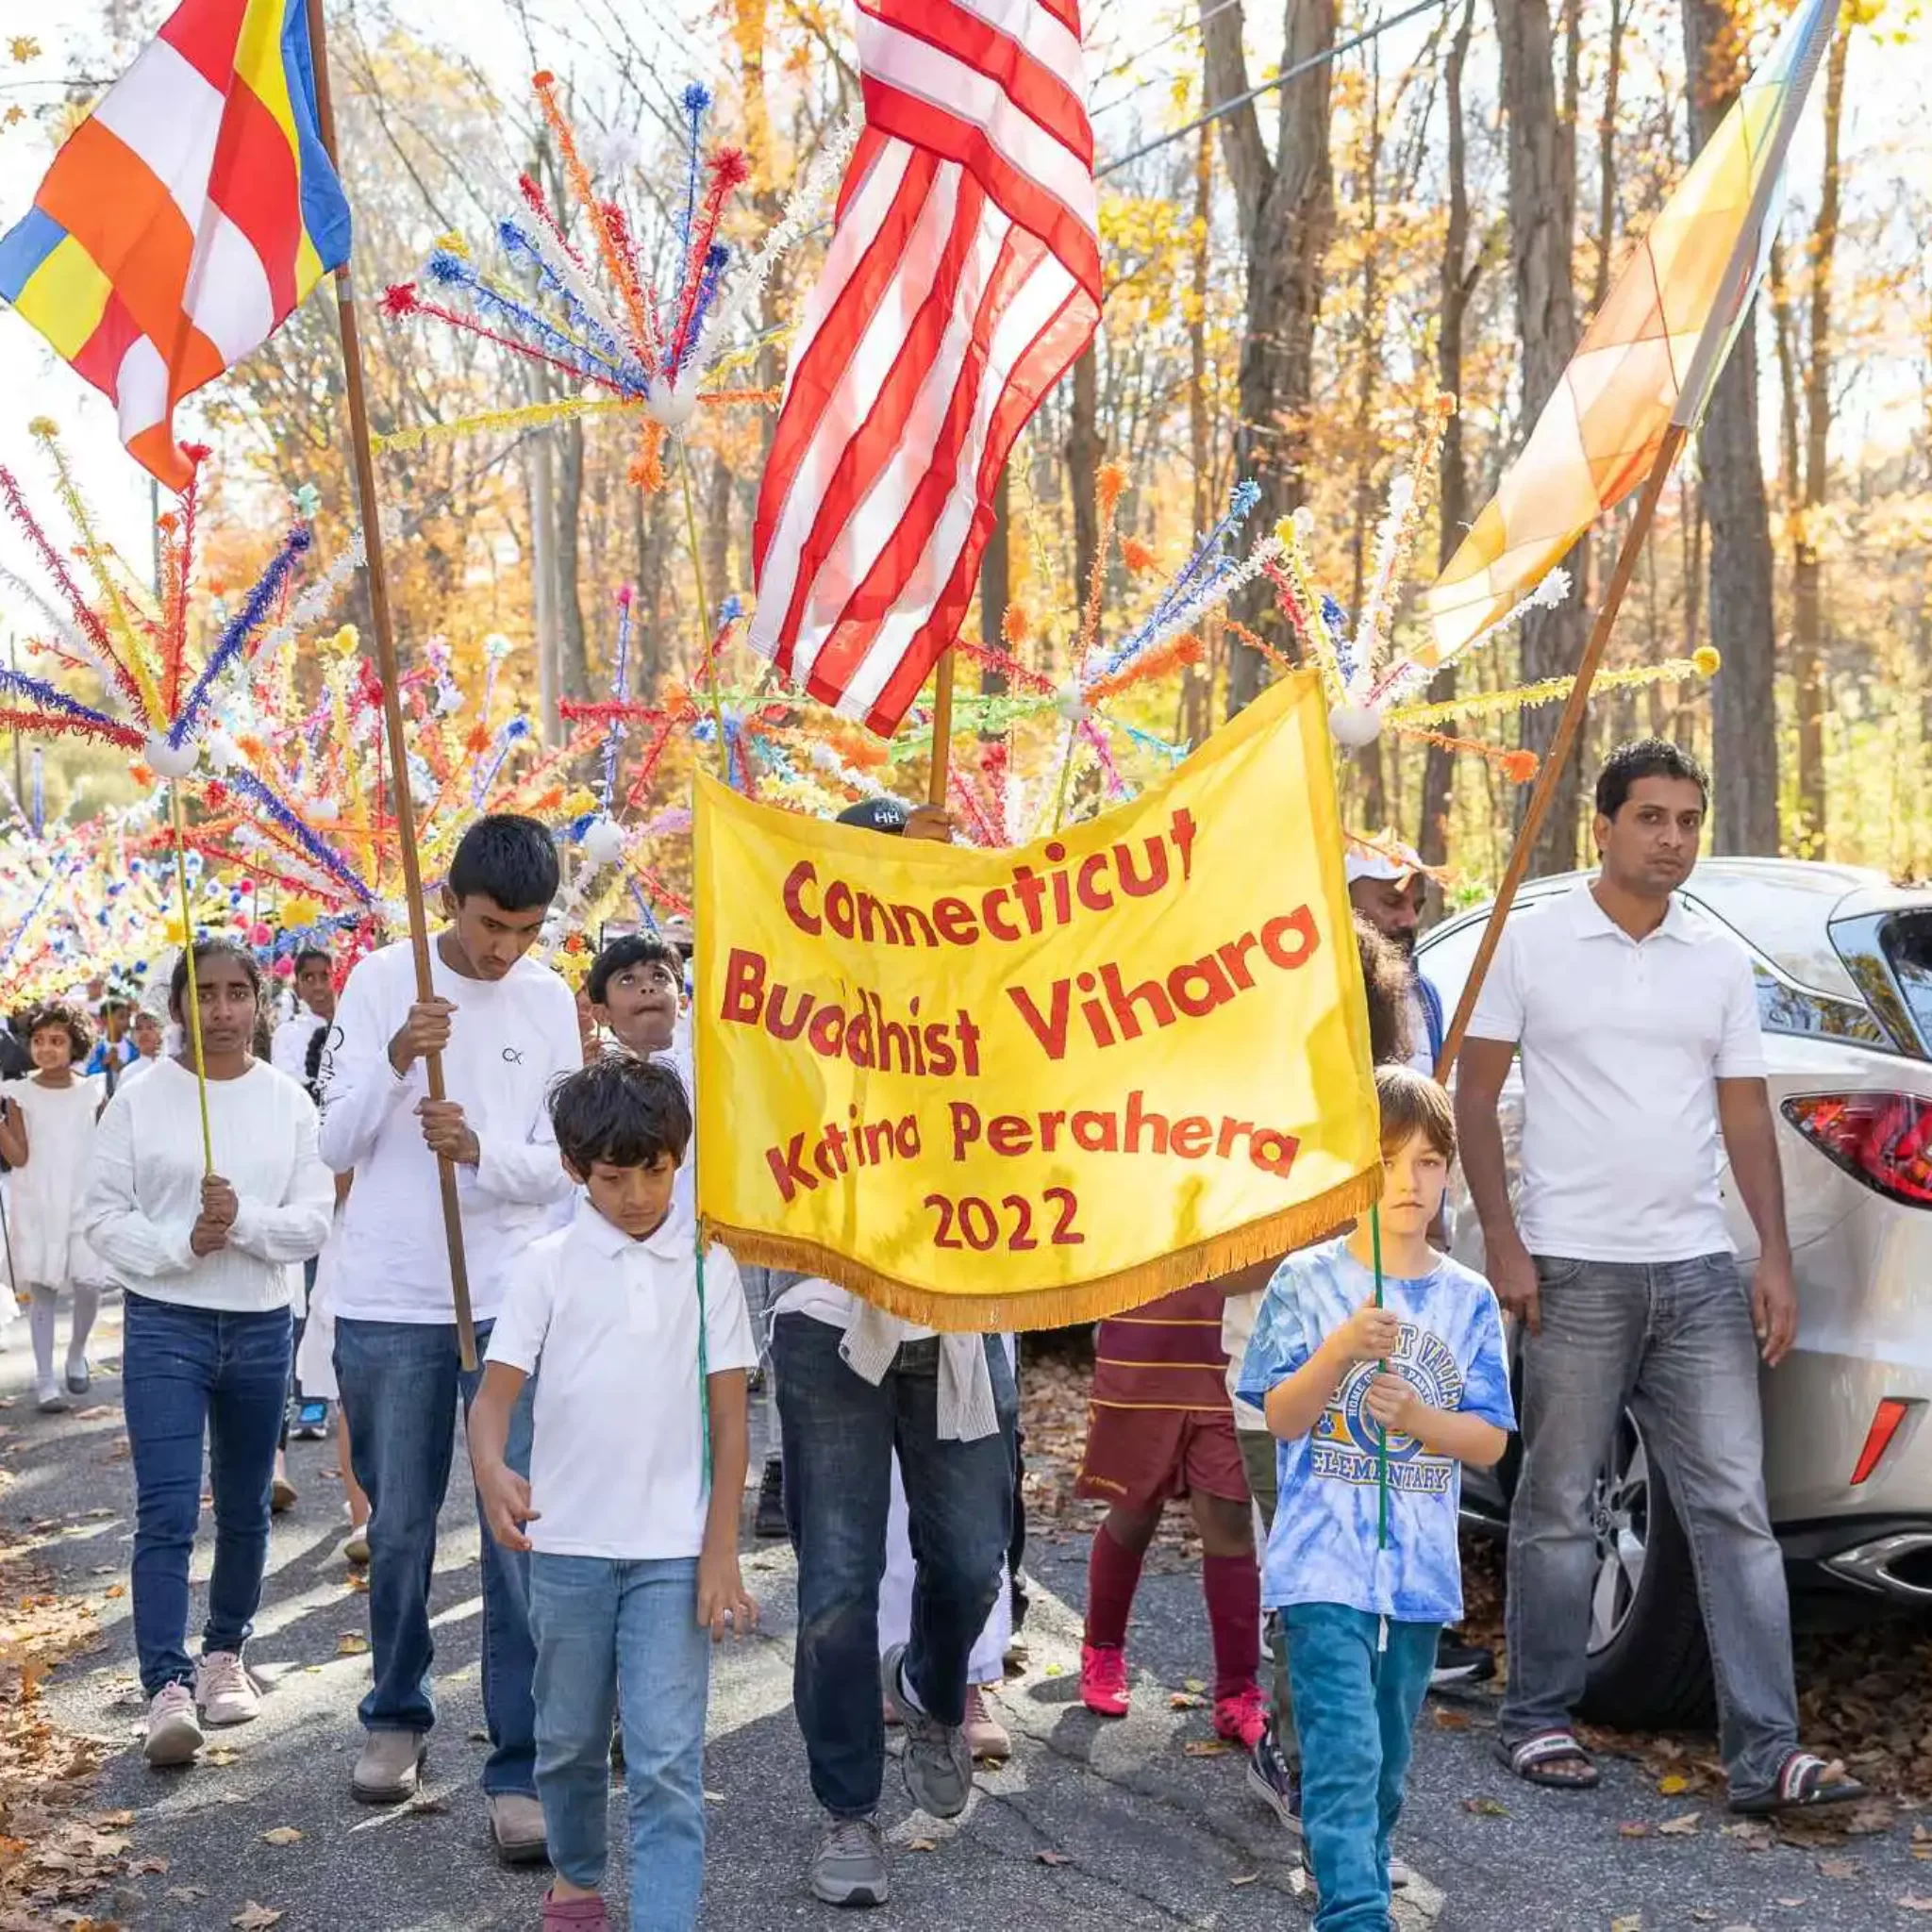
(1159, 1427)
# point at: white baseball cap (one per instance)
(1391, 866)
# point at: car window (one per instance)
(1906, 938)
(1785, 918)
(1783, 1007)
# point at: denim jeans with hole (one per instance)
(617, 1637)
(1674, 1341)
(1360, 1682)
(401, 1382)
(840, 1434)
(189, 1376)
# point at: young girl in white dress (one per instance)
(47, 1136)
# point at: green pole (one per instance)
(1381, 1433)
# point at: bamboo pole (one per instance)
(192, 989)
(1566, 727)
(391, 694)
(941, 729)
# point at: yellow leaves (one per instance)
(24, 47)
(351, 1643)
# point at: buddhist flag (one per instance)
(1649, 358)
(185, 219)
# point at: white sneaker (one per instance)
(48, 1398)
(172, 1734)
(223, 1689)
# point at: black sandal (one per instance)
(1535, 1760)
(1805, 1782)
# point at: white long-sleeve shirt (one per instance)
(288, 1045)
(510, 1041)
(144, 1189)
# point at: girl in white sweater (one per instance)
(46, 1135)
(209, 1263)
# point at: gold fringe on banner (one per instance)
(1266, 1239)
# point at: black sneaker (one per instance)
(1275, 1781)
(770, 1521)
(1460, 1664)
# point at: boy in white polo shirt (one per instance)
(637, 1467)
(1642, 1072)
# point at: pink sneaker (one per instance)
(1244, 1718)
(574, 1914)
(1104, 1679)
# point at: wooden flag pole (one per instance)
(941, 729)
(1566, 727)
(391, 692)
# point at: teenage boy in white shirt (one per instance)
(506, 1029)
(1637, 1025)
(631, 1510)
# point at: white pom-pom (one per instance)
(602, 842)
(1072, 705)
(222, 751)
(1355, 726)
(673, 405)
(167, 761)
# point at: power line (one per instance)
(1281, 79)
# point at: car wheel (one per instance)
(1649, 1668)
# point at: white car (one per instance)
(1843, 965)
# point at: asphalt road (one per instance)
(1090, 1825)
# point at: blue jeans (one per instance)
(1674, 1341)
(609, 1636)
(1356, 1700)
(840, 1433)
(186, 1375)
(400, 1382)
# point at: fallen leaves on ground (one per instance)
(1053, 1857)
(256, 1918)
(282, 1835)
(1485, 1808)
(1680, 1828)
(351, 1643)
(1205, 1747)
(1911, 1901)
(51, 1856)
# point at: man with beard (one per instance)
(1386, 888)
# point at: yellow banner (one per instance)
(1022, 1088)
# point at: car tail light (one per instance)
(1885, 1421)
(1884, 1140)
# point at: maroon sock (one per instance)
(1232, 1586)
(1113, 1574)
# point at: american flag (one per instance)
(962, 280)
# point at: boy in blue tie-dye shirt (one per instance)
(1330, 1368)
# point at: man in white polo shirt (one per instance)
(1637, 1021)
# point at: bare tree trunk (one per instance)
(714, 535)
(1083, 469)
(1368, 760)
(1456, 286)
(1286, 209)
(1196, 681)
(1542, 219)
(572, 656)
(1807, 568)
(1605, 243)
(540, 469)
(1744, 730)
(995, 580)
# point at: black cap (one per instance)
(876, 815)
